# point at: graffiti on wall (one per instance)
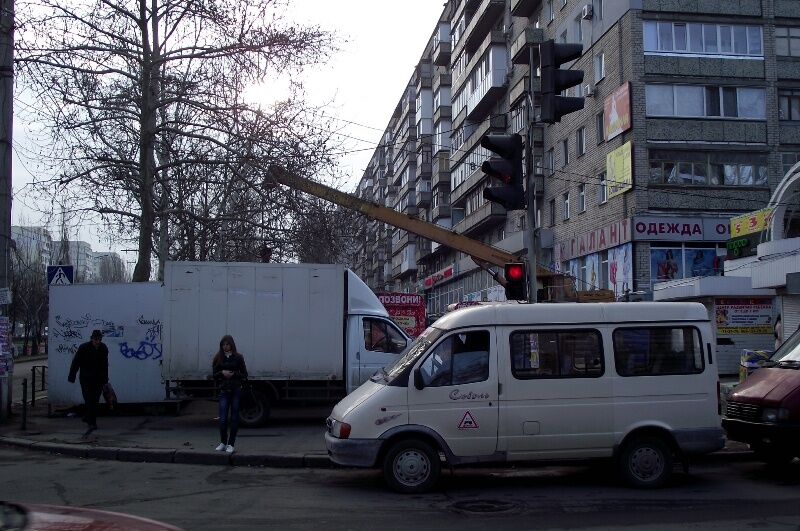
(142, 339)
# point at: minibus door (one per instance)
(454, 392)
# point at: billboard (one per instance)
(619, 170)
(751, 223)
(407, 310)
(617, 112)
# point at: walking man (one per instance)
(91, 360)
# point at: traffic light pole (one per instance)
(530, 189)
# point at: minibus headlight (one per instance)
(775, 415)
(340, 430)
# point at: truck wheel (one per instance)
(411, 466)
(253, 408)
(646, 462)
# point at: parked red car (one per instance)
(764, 410)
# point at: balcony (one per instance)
(486, 216)
(491, 87)
(441, 78)
(494, 39)
(441, 52)
(423, 199)
(528, 39)
(440, 173)
(520, 86)
(443, 112)
(524, 8)
(482, 22)
(439, 212)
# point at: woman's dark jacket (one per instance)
(234, 363)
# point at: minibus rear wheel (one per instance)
(411, 466)
(646, 462)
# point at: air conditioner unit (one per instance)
(587, 12)
(588, 90)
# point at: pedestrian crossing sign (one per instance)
(60, 275)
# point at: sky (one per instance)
(380, 44)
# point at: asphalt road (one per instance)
(739, 495)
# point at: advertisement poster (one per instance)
(619, 172)
(665, 264)
(701, 262)
(407, 310)
(617, 112)
(743, 316)
(592, 280)
(620, 269)
(751, 222)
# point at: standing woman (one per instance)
(229, 371)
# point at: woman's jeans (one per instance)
(229, 414)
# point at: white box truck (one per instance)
(308, 332)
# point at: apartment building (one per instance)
(81, 258)
(33, 246)
(692, 116)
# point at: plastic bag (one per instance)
(109, 395)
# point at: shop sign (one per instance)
(680, 229)
(743, 247)
(594, 241)
(407, 310)
(439, 277)
(751, 222)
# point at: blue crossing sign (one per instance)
(60, 275)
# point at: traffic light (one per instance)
(516, 281)
(507, 167)
(555, 80)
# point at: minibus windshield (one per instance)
(412, 354)
(789, 353)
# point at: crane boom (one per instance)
(372, 210)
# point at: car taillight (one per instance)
(344, 430)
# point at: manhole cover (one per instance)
(483, 506)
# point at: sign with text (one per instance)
(751, 222)
(440, 276)
(658, 228)
(407, 310)
(617, 112)
(619, 170)
(595, 240)
(743, 316)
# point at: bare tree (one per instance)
(145, 99)
(110, 269)
(29, 291)
(327, 234)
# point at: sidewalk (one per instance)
(186, 438)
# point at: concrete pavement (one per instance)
(293, 438)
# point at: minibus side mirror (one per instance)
(418, 383)
(398, 345)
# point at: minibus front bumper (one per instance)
(353, 452)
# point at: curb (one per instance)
(163, 455)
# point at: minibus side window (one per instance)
(556, 354)
(459, 359)
(657, 351)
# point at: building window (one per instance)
(708, 168)
(599, 66)
(565, 204)
(598, 9)
(551, 14)
(580, 141)
(564, 3)
(564, 36)
(704, 39)
(789, 105)
(582, 198)
(696, 101)
(787, 41)
(599, 123)
(552, 212)
(565, 152)
(602, 192)
(788, 160)
(578, 29)
(549, 161)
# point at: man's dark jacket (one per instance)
(92, 363)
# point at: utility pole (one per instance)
(530, 189)
(6, 121)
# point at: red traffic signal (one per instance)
(516, 281)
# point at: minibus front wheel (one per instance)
(411, 466)
(646, 462)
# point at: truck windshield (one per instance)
(412, 354)
(789, 352)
